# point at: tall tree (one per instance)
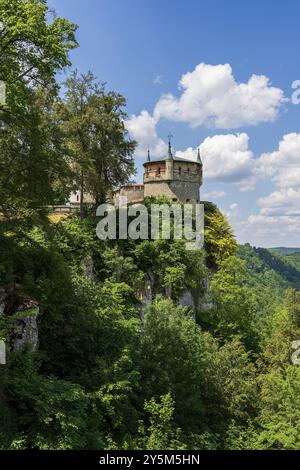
(34, 46)
(93, 121)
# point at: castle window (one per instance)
(179, 170)
(77, 198)
(174, 199)
(188, 200)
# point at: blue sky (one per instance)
(248, 131)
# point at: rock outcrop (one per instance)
(21, 311)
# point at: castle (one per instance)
(177, 178)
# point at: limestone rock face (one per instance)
(22, 312)
(187, 300)
(145, 295)
(25, 333)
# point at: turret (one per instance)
(199, 156)
(169, 162)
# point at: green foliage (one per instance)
(174, 359)
(52, 411)
(96, 137)
(294, 260)
(162, 433)
(219, 238)
(280, 408)
(284, 251)
(110, 375)
(269, 267)
(33, 48)
(234, 303)
(120, 364)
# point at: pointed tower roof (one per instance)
(170, 155)
(148, 156)
(199, 156)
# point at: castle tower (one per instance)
(177, 178)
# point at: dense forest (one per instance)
(131, 344)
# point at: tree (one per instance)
(162, 433)
(175, 360)
(219, 237)
(33, 168)
(234, 302)
(93, 122)
(33, 48)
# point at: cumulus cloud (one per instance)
(283, 165)
(226, 158)
(272, 230)
(234, 212)
(211, 96)
(281, 203)
(212, 195)
(279, 216)
(142, 128)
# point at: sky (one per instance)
(218, 75)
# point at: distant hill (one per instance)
(294, 259)
(284, 251)
(291, 255)
(272, 269)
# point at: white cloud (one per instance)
(285, 202)
(212, 195)
(279, 216)
(226, 158)
(234, 211)
(189, 153)
(212, 97)
(280, 210)
(272, 230)
(142, 128)
(283, 165)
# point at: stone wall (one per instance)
(184, 191)
(134, 194)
